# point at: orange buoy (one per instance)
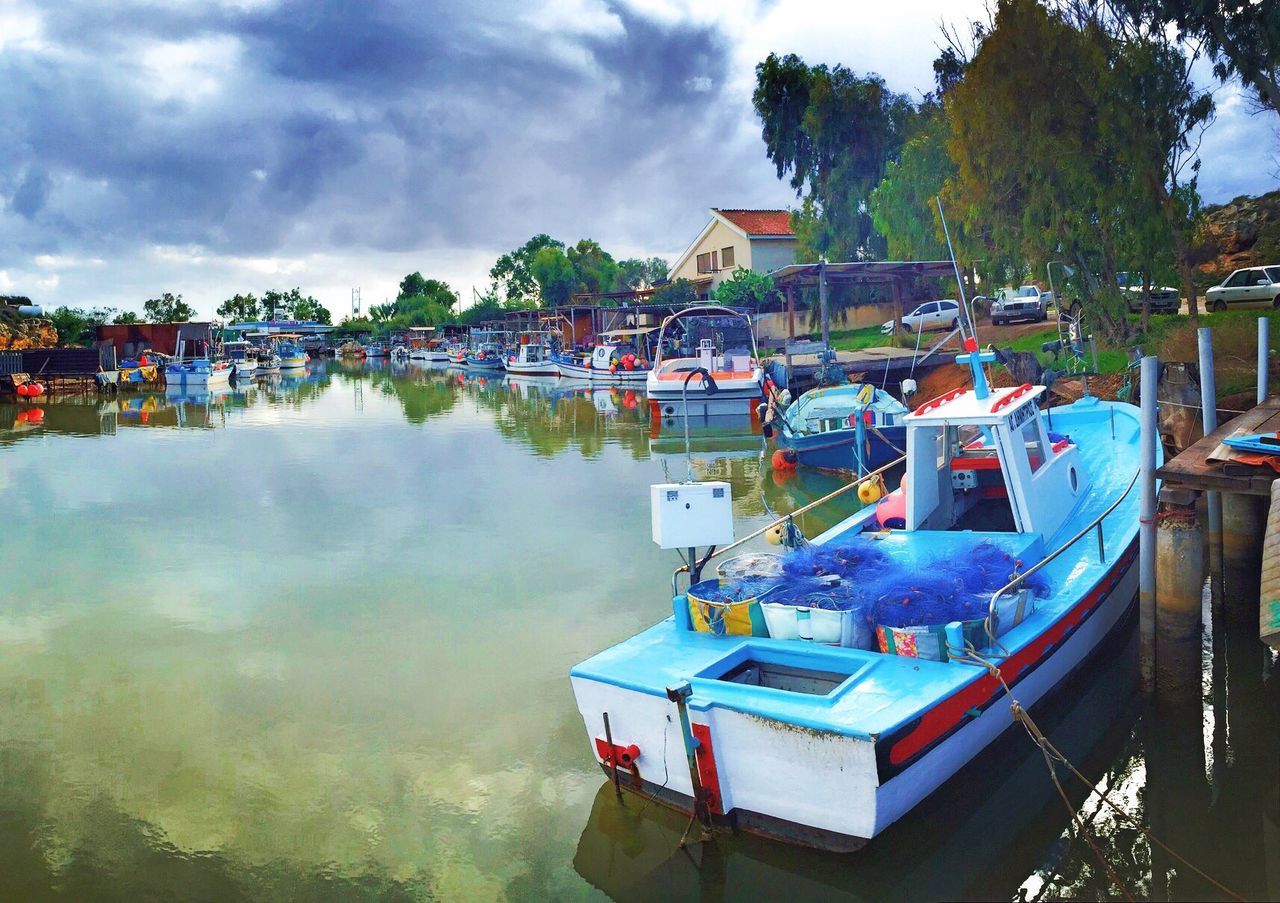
(35, 415)
(22, 390)
(34, 390)
(784, 459)
(613, 368)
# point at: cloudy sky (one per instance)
(208, 147)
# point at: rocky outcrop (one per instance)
(17, 333)
(1243, 233)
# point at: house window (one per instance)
(726, 258)
(715, 261)
(704, 263)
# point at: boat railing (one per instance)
(786, 518)
(1095, 526)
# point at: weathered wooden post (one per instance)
(1264, 342)
(1209, 419)
(1150, 435)
(1269, 589)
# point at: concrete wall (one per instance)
(769, 254)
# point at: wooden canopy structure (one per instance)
(872, 272)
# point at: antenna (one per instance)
(964, 303)
(355, 303)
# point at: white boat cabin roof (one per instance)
(963, 407)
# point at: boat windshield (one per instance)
(728, 334)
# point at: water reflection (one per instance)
(307, 638)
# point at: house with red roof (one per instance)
(759, 240)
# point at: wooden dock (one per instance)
(1194, 469)
(878, 364)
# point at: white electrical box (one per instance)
(691, 514)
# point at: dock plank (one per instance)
(1192, 468)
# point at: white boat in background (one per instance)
(244, 363)
(268, 362)
(375, 349)
(533, 355)
(717, 344)
(200, 373)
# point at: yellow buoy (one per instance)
(869, 491)
(774, 534)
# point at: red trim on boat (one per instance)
(939, 401)
(1006, 399)
(707, 768)
(943, 718)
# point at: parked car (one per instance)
(1251, 287)
(944, 314)
(1026, 303)
(1164, 300)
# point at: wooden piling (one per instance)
(1147, 526)
(1180, 572)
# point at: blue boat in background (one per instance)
(854, 427)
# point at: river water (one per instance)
(310, 640)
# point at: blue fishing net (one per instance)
(856, 575)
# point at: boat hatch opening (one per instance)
(784, 677)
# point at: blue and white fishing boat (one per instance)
(200, 373)
(854, 427)
(376, 349)
(820, 695)
(290, 351)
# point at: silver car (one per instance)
(1250, 287)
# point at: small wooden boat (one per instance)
(719, 342)
(824, 696)
(854, 427)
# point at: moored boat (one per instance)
(376, 349)
(197, 374)
(820, 695)
(290, 351)
(533, 356)
(854, 427)
(719, 345)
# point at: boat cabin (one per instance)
(989, 463)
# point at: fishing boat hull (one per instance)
(826, 789)
(484, 365)
(181, 375)
(294, 362)
(539, 368)
(734, 394)
(245, 370)
(837, 450)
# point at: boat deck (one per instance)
(878, 692)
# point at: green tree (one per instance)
(294, 306)
(1049, 175)
(168, 308)
(126, 318)
(634, 273)
(833, 132)
(593, 266)
(1243, 37)
(555, 276)
(746, 288)
(512, 273)
(431, 304)
(676, 294)
(239, 309)
(902, 205)
(77, 325)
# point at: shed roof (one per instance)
(881, 271)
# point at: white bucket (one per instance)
(832, 628)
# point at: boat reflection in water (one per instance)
(987, 829)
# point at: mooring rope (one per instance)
(1053, 755)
